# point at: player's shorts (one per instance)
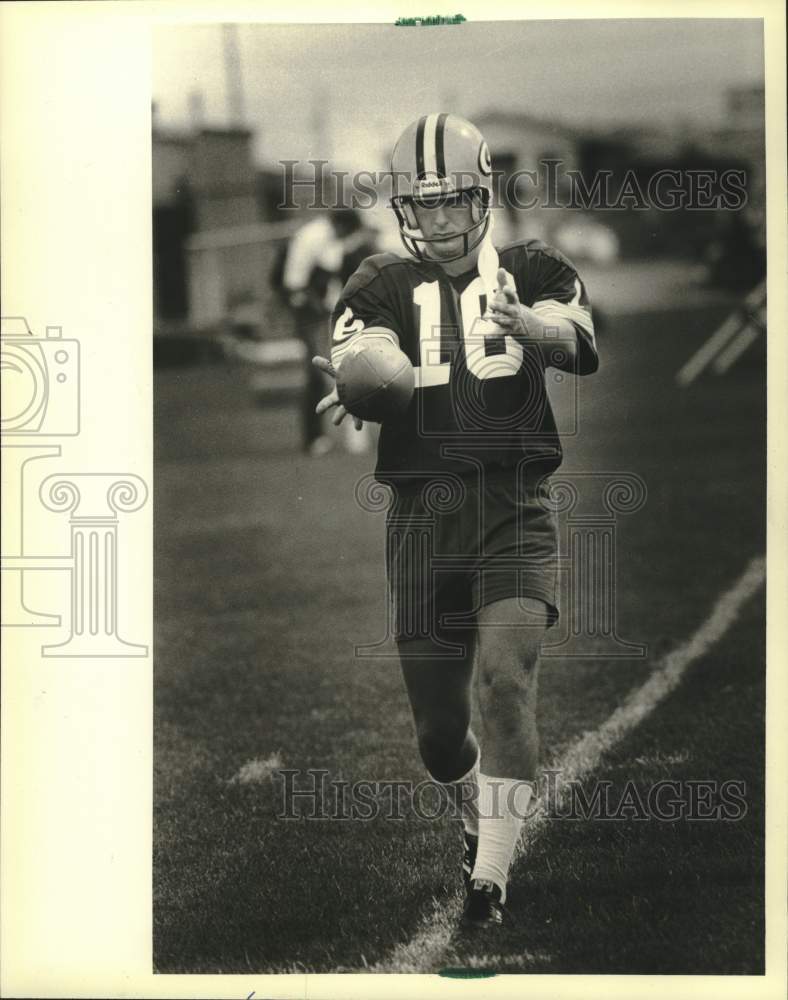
(451, 550)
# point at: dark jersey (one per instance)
(480, 399)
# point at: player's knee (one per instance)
(513, 629)
(508, 670)
(508, 653)
(504, 688)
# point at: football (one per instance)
(375, 380)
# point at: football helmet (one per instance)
(440, 159)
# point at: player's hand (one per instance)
(506, 310)
(332, 399)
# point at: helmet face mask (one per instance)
(477, 199)
(441, 160)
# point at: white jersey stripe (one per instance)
(338, 353)
(576, 315)
(555, 304)
(551, 307)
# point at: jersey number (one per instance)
(347, 326)
(434, 366)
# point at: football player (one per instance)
(471, 538)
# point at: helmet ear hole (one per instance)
(403, 209)
(479, 202)
(410, 215)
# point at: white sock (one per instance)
(503, 803)
(465, 792)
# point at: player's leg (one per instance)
(440, 694)
(510, 632)
(439, 684)
(510, 636)
(312, 424)
(437, 661)
(517, 605)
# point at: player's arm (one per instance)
(330, 367)
(559, 318)
(362, 311)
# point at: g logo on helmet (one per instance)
(485, 163)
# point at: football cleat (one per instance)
(470, 844)
(483, 906)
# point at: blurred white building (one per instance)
(520, 142)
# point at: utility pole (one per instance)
(232, 73)
(320, 124)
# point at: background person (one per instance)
(319, 259)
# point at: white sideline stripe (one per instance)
(705, 354)
(256, 771)
(424, 951)
(521, 961)
(731, 354)
(753, 309)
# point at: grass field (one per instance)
(267, 574)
